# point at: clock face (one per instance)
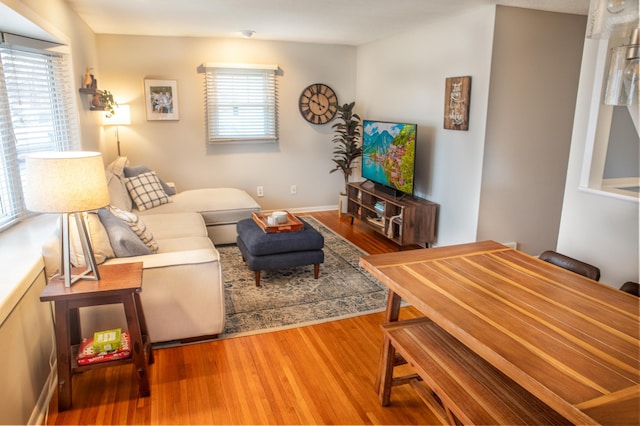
(318, 103)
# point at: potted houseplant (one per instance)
(347, 146)
(103, 99)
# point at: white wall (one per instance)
(402, 78)
(534, 81)
(177, 150)
(596, 228)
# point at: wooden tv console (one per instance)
(404, 220)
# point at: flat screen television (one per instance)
(388, 155)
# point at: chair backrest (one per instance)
(571, 264)
(631, 287)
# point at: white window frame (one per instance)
(36, 114)
(598, 129)
(241, 103)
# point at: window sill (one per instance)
(616, 192)
(21, 258)
(624, 186)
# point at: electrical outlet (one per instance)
(260, 191)
(293, 190)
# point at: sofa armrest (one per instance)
(162, 260)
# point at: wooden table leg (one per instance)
(393, 307)
(75, 333)
(143, 325)
(137, 344)
(385, 375)
(63, 350)
(387, 355)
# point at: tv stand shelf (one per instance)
(404, 220)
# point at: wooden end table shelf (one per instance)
(121, 283)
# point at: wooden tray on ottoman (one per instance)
(292, 223)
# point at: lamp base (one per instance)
(88, 275)
(91, 273)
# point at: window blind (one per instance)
(242, 103)
(36, 115)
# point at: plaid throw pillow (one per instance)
(146, 191)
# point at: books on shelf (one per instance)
(107, 341)
(379, 207)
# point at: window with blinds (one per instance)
(35, 115)
(242, 103)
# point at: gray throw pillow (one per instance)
(124, 241)
(138, 170)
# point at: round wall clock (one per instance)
(318, 103)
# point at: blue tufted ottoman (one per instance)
(277, 250)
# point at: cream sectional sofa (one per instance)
(221, 208)
(182, 288)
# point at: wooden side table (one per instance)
(120, 283)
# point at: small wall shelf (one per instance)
(95, 98)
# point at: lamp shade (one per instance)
(65, 182)
(120, 117)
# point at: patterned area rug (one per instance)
(291, 297)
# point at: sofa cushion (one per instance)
(146, 191)
(216, 205)
(174, 245)
(118, 194)
(124, 241)
(138, 170)
(175, 225)
(98, 237)
(137, 226)
(116, 183)
(117, 166)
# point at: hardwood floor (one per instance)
(321, 374)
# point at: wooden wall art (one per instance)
(456, 103)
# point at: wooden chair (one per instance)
(571, 264)
(631, 287)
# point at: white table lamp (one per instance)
(69, 182)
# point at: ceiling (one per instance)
(349, 22)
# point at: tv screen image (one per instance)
(388, 154)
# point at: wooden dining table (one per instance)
(571, 342)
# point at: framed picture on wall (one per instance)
(456, 103)
(161, 99)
